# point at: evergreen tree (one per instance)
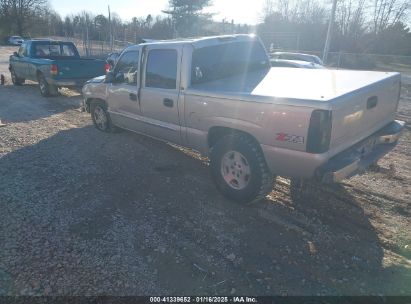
(188, 16)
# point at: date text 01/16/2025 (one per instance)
(204, 299)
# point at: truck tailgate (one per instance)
(80, 68)
(358, 114)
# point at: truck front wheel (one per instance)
(239, 169)
(101, 118)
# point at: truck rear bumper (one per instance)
(359, 157)
(67, 82)
(300, 164)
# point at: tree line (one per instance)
(361, 26)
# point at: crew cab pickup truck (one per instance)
(219, 96)
(52, 64)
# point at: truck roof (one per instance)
(47, 40)
(199, 42)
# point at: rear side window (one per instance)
(42, 50)
(161, 71)
(227, 60)
(68, 50)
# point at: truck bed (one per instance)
(304, 84)
(78, 68)
(361, 102)
(317, 84)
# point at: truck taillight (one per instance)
(319, 132)
(54, 70)
(107, 68)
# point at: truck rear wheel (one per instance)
(239, 169)
(101, 118)
(46, 89)
(16, 80)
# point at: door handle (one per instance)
(372, 102)
(133, 96)
(168, 102)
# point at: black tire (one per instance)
(46, 89)
(101, 118)
(247, 187)
(16, 80)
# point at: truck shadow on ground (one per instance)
(92, 208)
(15, 108)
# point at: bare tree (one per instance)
(283, 7)
(85, 22)
(388, 12)
(20, 13)
(268, 9)
(350, 18)
(301, 11)
(310, 11)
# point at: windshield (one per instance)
(55, 50)
(227, 60)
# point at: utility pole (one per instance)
(329, 32)
(111, 30)
(87, 39)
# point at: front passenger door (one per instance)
(122, 93)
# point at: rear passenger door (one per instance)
(159, 95)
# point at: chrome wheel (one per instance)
(100, 118)
(235, 170)
(239, 169)
(43, 86)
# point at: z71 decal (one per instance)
(295, 139)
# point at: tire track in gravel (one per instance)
(194, 236)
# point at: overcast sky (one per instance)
(242, 11)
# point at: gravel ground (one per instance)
(88, 213)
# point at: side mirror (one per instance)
(111, 63)
(109, 77)
(112, 58)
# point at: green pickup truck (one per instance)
(53, 64)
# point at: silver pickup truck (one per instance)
(219, 96)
